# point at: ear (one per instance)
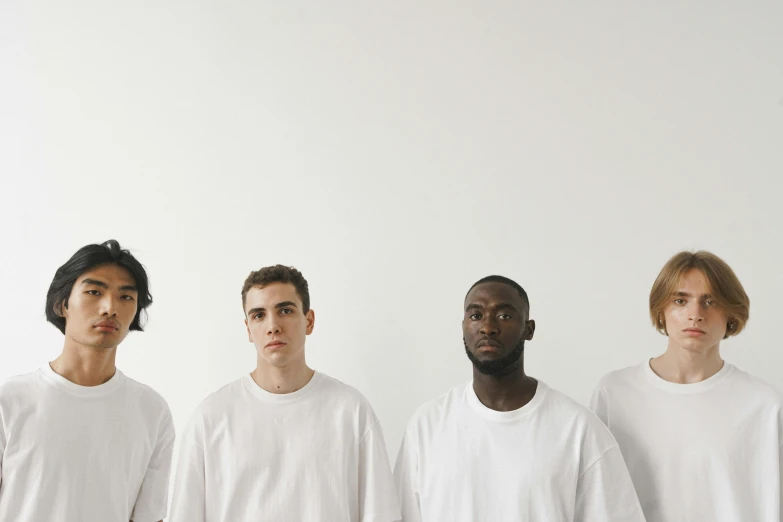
(662, 324)
(731, 328)
(310, 316)
(60, 309)
(249, 335)
(530, 329)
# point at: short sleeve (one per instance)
(406, 480)
(3, 443)
(377, 497)
(605, 492)
(152, 500)
(599, 405)
(189, 498)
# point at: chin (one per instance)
(102, 346)
(278, 362)
(698, 346)
(278, 359)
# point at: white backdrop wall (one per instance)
(395, 152)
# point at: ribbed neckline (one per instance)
(281, 398)
(686, 389)
(505, 416)
(57, 380)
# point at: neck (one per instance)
(683, 366)
(85, 365)
(505, 392)
(284, 379)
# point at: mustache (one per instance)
(498, 367)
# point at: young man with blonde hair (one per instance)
(701, 438)
(283, 442)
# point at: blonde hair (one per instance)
(725, 287)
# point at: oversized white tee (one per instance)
(71, 453)
(708, 451)
(550, 461)
(314, 455)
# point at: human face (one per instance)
(277, 325)
(101, 307)
(692, 320)
(494, 324)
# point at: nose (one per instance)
(109, 305)
(273, 327)
(696, 313)
(489, 327)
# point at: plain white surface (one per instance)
(394, 152)
(710, 450)
(550, 460)
(320, 445)
(86, 453)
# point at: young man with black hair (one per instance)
(80, 441)
(506, 447)
(284, 442)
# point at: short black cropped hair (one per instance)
(506, 281)
(86, 259)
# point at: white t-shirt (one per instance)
(708, 451)
(316, 454)
(550, 461)
(75, 453)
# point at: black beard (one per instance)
(498, 367)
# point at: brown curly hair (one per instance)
(278, 274)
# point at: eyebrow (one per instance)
(686, 294)
(476, 306)
(96, 282)
(284, 304)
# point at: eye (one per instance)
(92, 292)
(679, 301)
(258, 316)
(286, 311)
(708, 302)
(504, 316)
(474, 317)
(128, 297)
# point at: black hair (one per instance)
(506, 281)
(84, 260)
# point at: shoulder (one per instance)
(345, 402)
(151, 400)
(20, 389)
(216, 403)
(19, 383)
(577, 419)
(439, 407)
(621, 378)
(760, 388)
(335, 390)
(559, 402)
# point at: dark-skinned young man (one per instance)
(504, 446)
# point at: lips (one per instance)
(274, 344)
(488, 342)
(694, 331)
(107, 326)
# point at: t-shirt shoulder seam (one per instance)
(596, 461)
(369, 429)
